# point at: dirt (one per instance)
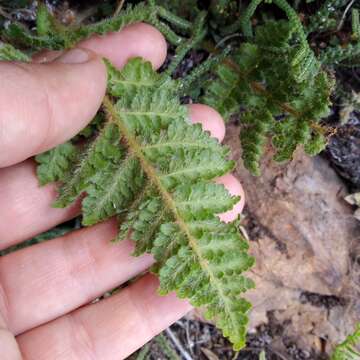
(343, 150)
(305, 241)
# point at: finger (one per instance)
(112, 328)
(8, 345)
(29, 205)
(42, 282)
(43, 105)
(212, 121)
(79, 267)
(24, 203)
(134, 40)
(151, 46)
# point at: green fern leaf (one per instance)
(9, 53)
(347, 350)
(131, 78)
(103, 152)
(253, 138)
(152, 168)
(315, 144)
(229, 89)
(44, 20)
(55, 163)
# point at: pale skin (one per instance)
(45, 290)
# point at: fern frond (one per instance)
(151, 168)
(164, 344)
(226, 92)
(198, 34)
(131, 14)
(43, 20)
(295, 90)
(246, 17)
(112, 190)
(173, 19)
(46, 24)
(131, 78)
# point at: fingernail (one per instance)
(74, 56)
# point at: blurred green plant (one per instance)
(347, 350)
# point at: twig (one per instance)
(190, 343)
(226, 38)
(341, 23)
(179, 322)
(119, 7)
(177, 344)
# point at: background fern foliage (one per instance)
(349, 348)
(279, 83)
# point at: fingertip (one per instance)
(45, 56)
(210, 119)
(138, 39)
(234, 187)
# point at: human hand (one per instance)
(45, 290)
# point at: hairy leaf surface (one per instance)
(152, 168)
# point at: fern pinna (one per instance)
(153, 169)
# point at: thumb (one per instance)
(43, 105)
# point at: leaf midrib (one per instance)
(177, 144)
